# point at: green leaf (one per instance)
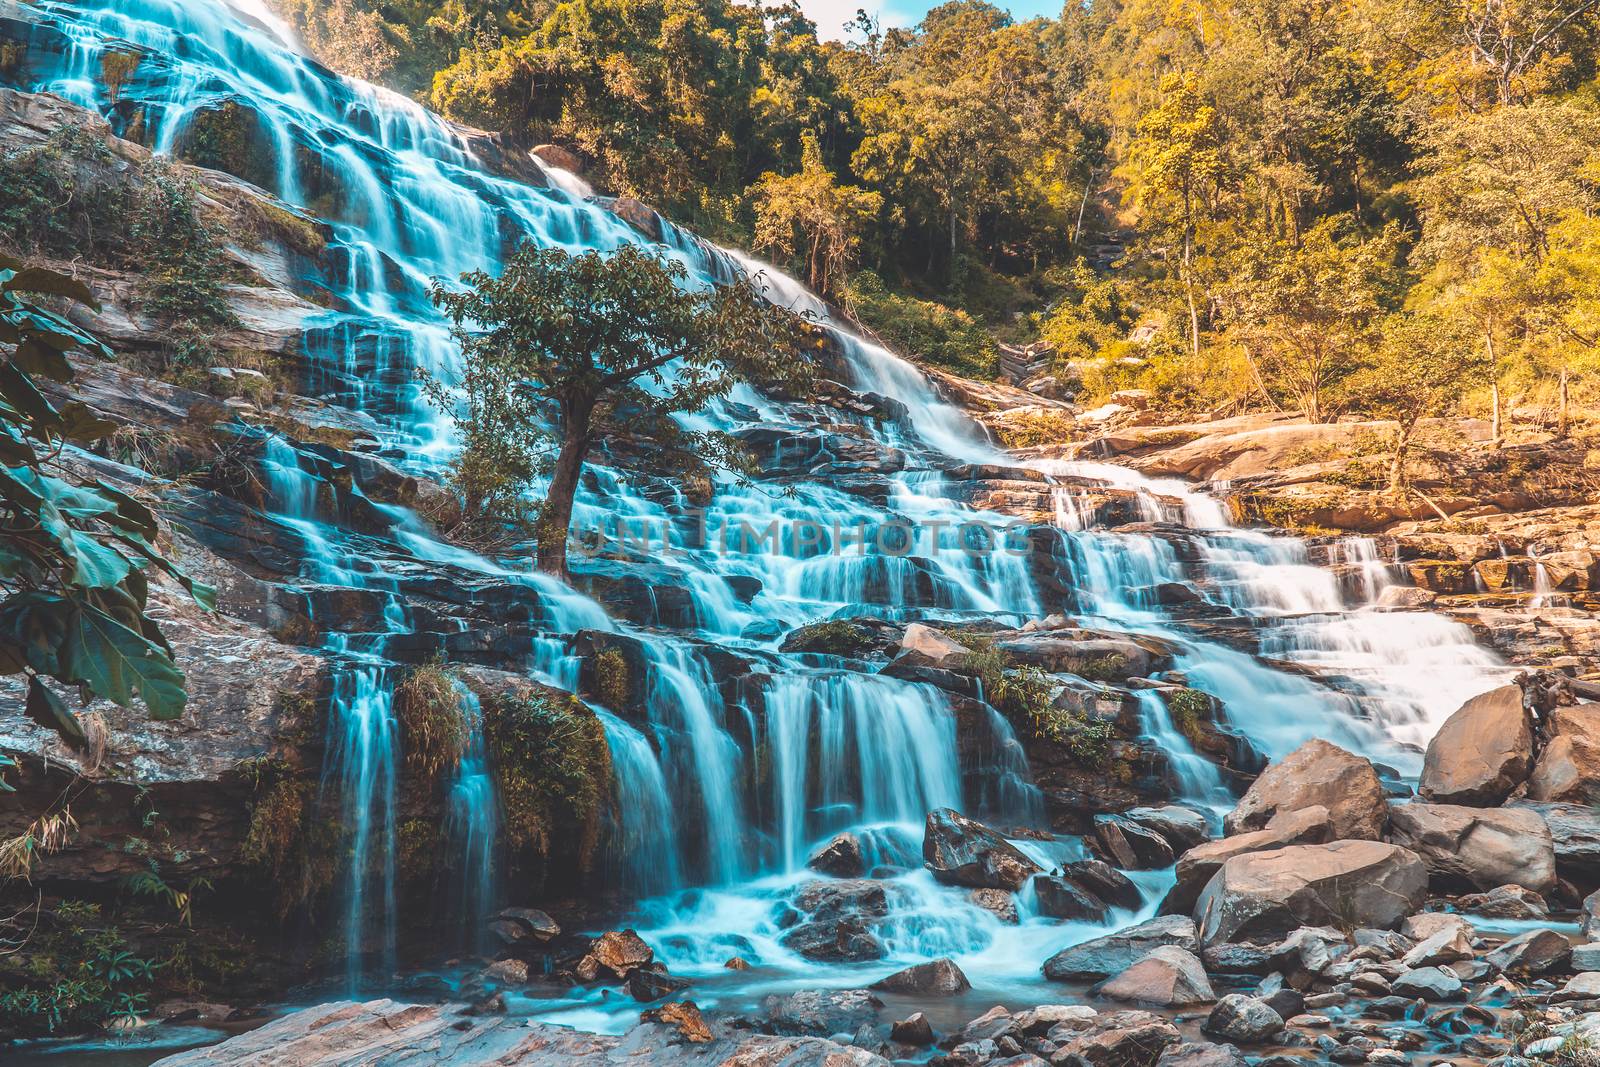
(117, 664)
(23, 396)
(51, 712)
(40, 280)
(135, 516)
(96, 566)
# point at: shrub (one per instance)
(923, 329)
(1035, 426)
(835, 637)
(77, 974)
(611, 678)
(60, 198)
(553, 769)
(433, 730)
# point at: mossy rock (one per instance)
(230, 138)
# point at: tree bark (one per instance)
(555, 521)
(1561, 410)
(1397, 463)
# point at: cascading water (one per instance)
(410, 202)
(473, 821)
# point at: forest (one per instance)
(1236, 205)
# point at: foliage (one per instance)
(811, 220)
(833, 637)
(299, 851)
(611, 678)
(58, 198)
(433, 728)
(1031, 427)
(1026, 696)
(552, 767)
(927, 329)
(76, 974)
(48, 833)
(562, 352)
(73, 555)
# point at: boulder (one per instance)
(1043, 1018)
(1118, 1039)
(1445, 945)
(963, 851)
(1569, 767)
(1505, 902)
(1086, 654)
(838, 916)
(1180, 827)
(1265, 895)
(1317, 774)
(926, 647)
(1590, 917)
(1247, 1020)
(557, 156)
(1426, 924)
(621, 952)
(1000, 903)
(1428, 983)
(1114, 953)
(1102, 880)
(1477, 847)
(1482, 752)
(1061, 898)
(1201, 1054)
(1196, 867)
(534, 922)
(913, 1030)
(1534, 952)
(1167, 977)
(821, 1011)
(939, 977)
(840, 857)
(1124, 843)
(684, 1017)
(1575, 829)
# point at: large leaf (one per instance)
(42, 359)
(39, 280)
(80, 425)
(135, 517)
(117, 663)
(96, 566)
(21, 394)
(51, 712)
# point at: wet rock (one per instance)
(1045, 1018)
(1168, 977)
(1534, 952)
(1094, 657)
(841, 939)
(1446, 945)
(996, 1024)
(645, 984)
(537, 924)
(1478, 847)
(1124, 843)
(1247, 1020)
(1429, 983)
(1426, 924)
(1201, 1054)
(621, 952)
(1317, 774)
(1100, 879)
(840, 857)
(1575, 830)
(557, 156)
(507, 972)
(1197, 866)
(1589, 920)
(1114, 953)
(1505, 902)
(637, 214)
(1118, 1039)
(939, 977)
(684, 1017)
(1268, 894)
(1482, 752)
(998, 902)
(914, 1030)
(1182, 828)
(1288, 1002)
(1569, 766)
(1060, 898)
(963, 851)
(821, 1011)
(737, 963)
(926, 647)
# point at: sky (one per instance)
(831, 15)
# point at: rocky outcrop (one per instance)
(1482, 752)
(1317, 774)
(1568, 768)
(1196, 867)
(1478, 847)
(963, 851)
(1264, 895)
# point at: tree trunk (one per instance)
(1497, 437)
(1561, 409)
(1397, 463)
(555, 522)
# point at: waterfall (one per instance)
(472, 824)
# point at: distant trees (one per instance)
(812, 218)
(565, 352)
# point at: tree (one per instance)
(1308, 314)
(811, 219)
(1421, 369)
(564, 352)
(1175, 163)
(73, 554)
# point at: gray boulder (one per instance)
(1478, 847)
(963, 851)
(1534, 952)
(1114, 953)
(939, 977)
(1482, 752)
(1167, 977)
(1317, 774)
(1247, 1020)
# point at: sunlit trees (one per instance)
(813, 220)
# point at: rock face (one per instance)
(1482, 752)
(840, 857)
(1265, 895)
(1168, 977)
(963, 851)
(1477, 847)
(1569, 767)
(1317, 774)
(1114, 953)
(927, 647)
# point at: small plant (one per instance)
(433, 730)
(611, 678)
(835, 637)
(46, 834)
(151, 883)
(77, 974)
(1189, 708)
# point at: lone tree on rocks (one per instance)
(563, 353)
